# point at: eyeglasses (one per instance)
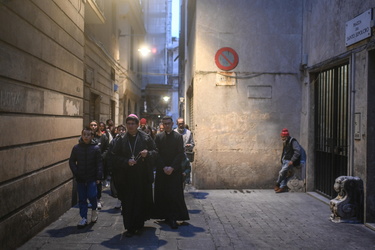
(167, 123)
(131, 123)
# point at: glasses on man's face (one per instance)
(167, 123)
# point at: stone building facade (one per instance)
(41, 109)
(297, 68)
(112, 85)
(160, 67)
(62, 64)
(237, 118)
(335, 61)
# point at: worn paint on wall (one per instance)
(237, 127)
(237, 136)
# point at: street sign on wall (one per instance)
(226, 58)
(358, 28)
(225, 79)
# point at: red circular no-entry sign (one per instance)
(226, 58)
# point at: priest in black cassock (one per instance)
(133, 175)
(169, 194)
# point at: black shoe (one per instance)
(129, 233)
(174, 224)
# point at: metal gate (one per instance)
(331, 128)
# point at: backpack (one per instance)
(302, 156)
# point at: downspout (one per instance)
(351, 117)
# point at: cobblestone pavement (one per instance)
(219, 219)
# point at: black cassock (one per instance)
(169, 194)
(134, 183)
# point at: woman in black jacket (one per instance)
(103, 142)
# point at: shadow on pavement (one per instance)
(110, 211)
(194, 211)
(199, 195)
(144, 240)
(185, 229)
(65, 231)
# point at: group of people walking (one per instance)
(136, 160)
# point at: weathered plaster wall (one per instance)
(41, 108)
(324, 36)
(237, 128)
(360, 106)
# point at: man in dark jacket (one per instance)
(133, 175)
(169, 196)
(86, 164)
(290, 157)
(110, 161)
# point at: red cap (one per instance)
(284, 132)
(143, 121)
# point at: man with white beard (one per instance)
(290, 157)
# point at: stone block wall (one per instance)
(41, 110)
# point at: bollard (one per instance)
(347, 207)
(296, 183)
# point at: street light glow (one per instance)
(144, 51)
(166, 98)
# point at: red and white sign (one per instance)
(226, 58)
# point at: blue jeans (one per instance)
(86, 191)
(283, 178)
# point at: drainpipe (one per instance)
(351, 121)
